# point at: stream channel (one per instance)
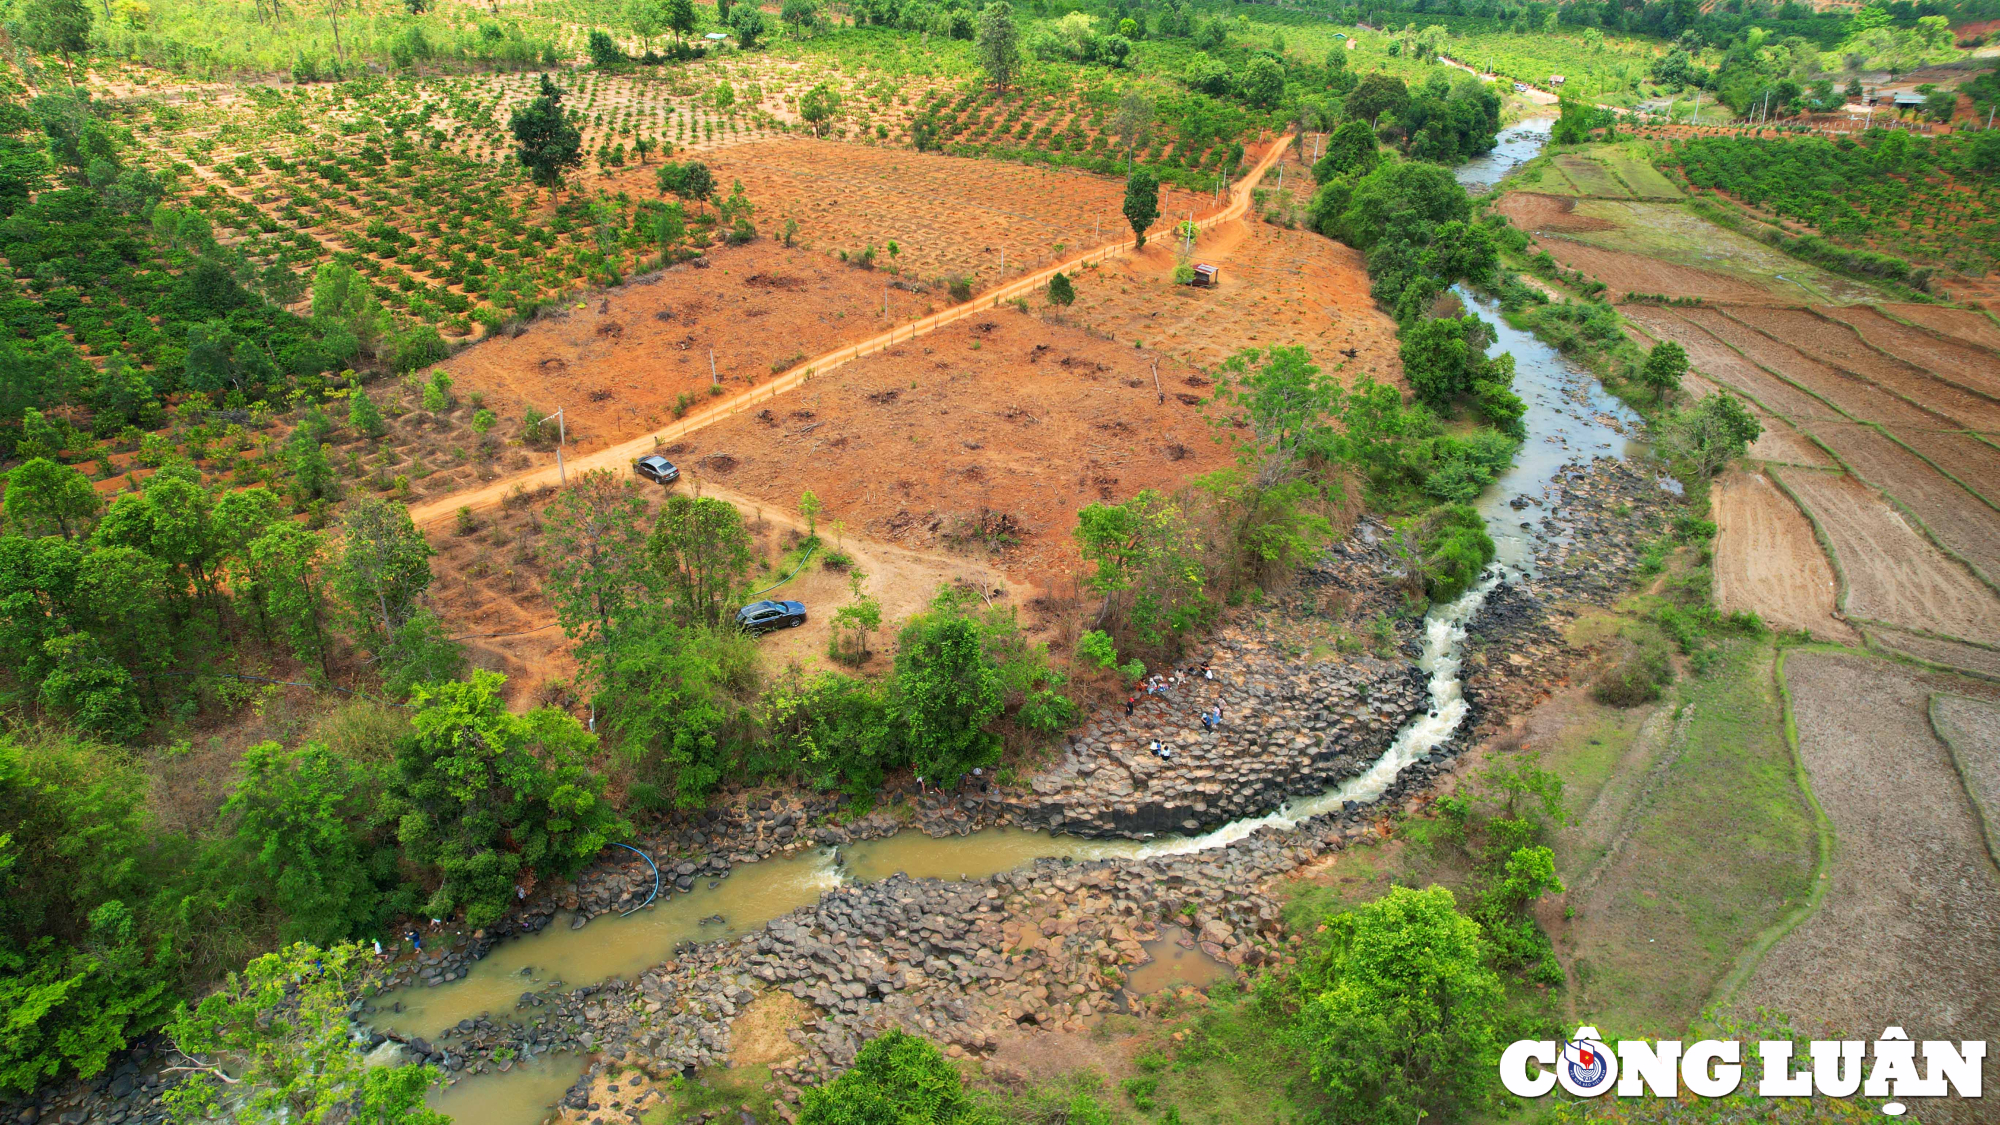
(1570, 418)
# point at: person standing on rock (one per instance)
(1131, 701)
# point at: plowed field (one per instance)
(1767, 560)
(984, 438)
(1535, 211)
(1970, 366)
(1909, 931)
(1838, 345)
(1966, 324)
(1623, 271)
(1892, 572)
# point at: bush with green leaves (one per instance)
(1450, 547)
(896, 1079)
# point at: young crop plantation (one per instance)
(1932, 201)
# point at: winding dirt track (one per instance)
(618, 457)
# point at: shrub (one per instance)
(1639, 678)
(1453, 548)
(1096, 647)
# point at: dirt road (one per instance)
(619, 457)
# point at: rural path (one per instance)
(619, 456)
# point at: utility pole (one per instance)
(713, 378)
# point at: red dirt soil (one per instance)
(949, 215)
(1625, 272)
(1767, 560)
(1834, 343)
(1277, 287)
(1965, 324)
(1967, 365)
(618, 364)
(1533, 211)
(989, 431)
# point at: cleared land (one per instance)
(1767, 560)
(1969, 325)
(1536, 211)
(1969, 365)
(1909, 932)
(949, 216)
(1892, 572)
(1837, 345)
(1278, 287)
(986, 436)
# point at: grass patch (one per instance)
(1721, 844)
(717, 1092)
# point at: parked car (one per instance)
(658, 468)
(764, 616)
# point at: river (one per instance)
(1569, 418)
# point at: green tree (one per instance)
(44, 498)
(701, 550)
(1708, 436)
(345, 314)
(601, 580)
(896, 1079)
(1262, 84)
(58, 27)
(548, 140)
(1061, 290)
(679, 17)
(1451, 549)
(80, 977)
(818, 107)
(283, 1026)
(285, 562)
(296, 816)
(749, 25)
(1147, 564)
(1399, 1012)
(484, 796)
(802, 16)
(674, 706)
(1351, 151)
(363, 417)
(946, 691)
(1665, 366)
(691, 181)
(1377, 93)
(604, 52)
(998, 43)
(1142, 201)
(383, 567)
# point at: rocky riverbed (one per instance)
(1313, 685)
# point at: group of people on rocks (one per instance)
(1158, 684)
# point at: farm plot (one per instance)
(638, 356)
(1669, 234)
(1975, 368)
(1969, 325)
(1971, 727)
(1834, 343)
(985, 438)
(1623, 271)
(1278, 287)
(1965, 657)
(1638, 175)
(948, 216)
(1767, 560)
(1590, 177)
(1719, 362)
(1973, 462)
(1890, 571)
(1909, 931)
(1535, 211)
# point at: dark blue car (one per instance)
(764, 616)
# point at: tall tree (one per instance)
(283, 1026)
(383, 568)
(1142, 201)
(999, 43)
(44, 498)
(285, 563)
(1665, 366)
(601, 578)
(486, 796)
(296, 817)
(946, 691)
(548, 140)
(58, 27)
(702, 552)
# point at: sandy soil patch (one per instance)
(1767, 560)
(1971, 728)
(1625, 272)
(1973, 367)
(1892, 572)
(619, 364)
(757, 1037)
(949, 215)
(1909, 932)
(1966, 324)
(1535, 212)
(983, 438)
(1279, 287)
